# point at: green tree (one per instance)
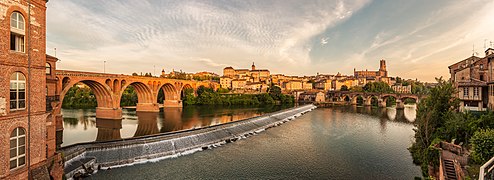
(79, 98)
(432, 113)
(189, 98)
(222, 90)
(344, 88)
(378, 87)
(483, 145)
(129, 97)
(357, 89)
(274, 91)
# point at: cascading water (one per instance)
(140, 150)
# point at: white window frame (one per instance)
(48, 69)
(465, 92)
(17, 29)
(17, 147)
(18, 83)
(17, 21)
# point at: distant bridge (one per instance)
(349, 97)
(108, 89)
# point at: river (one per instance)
(81, 125)
(327, 143)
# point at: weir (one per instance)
(84, 158)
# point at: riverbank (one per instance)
(88, 157)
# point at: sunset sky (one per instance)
(418, 39)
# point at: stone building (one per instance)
(398, 88)
(306, 85)
(226, 82)
(348, 82)
(240, 77)
(27, 129)
(470, 76)
(292, 85)
(255, 75)
(380, 75)
(325, 84)
(382, 72)
(311, 97)
(489, 55)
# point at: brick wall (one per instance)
(10, 62)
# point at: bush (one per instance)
(482, 145)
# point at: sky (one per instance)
(418, 39)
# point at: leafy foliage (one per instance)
(432, 113)
(378, 87)
(437, 120)
(129, 97)
(79, 98)
(344, 88)
(483, 145)
(207, 96)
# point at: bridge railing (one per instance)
(487, 170)
(95, 74)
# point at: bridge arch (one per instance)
(102, 92)
(170, 91)
(171, 95)
(405, 98)
(372, 100)
(389, 99)
(143, 91)
(346, 98)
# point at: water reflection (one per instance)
(406, 115)
(147, 123)
(83, 126)
(108, 129)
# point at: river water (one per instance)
(81, 125)
(327, 143)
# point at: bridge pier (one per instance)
(354, 101)
(108, 113)
(147, 107)
(368, 102)
(172, 103)
(400, 104)
(382, 103)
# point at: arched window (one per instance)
(17, 32)
(17, 91)
(17, 148)
(48, 68)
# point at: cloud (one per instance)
(167, 33)
(324, 41)
(210, 62)
(285, 36)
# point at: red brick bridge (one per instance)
(351, 98)
(108, 89)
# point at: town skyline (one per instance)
(418, 39)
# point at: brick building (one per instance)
(380, 75)
(27, 130)
(470, 77)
